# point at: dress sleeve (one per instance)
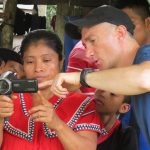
(90, 121)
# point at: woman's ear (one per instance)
(124, 108)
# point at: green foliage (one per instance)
(51, 11)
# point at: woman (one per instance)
(42, 120)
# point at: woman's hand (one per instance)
(6, 106)
(45, 113)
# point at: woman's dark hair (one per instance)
(1, 60)
(48, 37)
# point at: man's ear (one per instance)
(124, 108)
(121, 31)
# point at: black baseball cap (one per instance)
(104, 13)
(8, 54)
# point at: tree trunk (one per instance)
(9, 18)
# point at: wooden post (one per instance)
(7, 31)
(63, 9)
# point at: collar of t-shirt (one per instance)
(110, 132)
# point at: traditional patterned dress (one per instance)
(22, 133)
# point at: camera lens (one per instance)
(4, 87)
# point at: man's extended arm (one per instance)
(130, 80)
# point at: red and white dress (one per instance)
(22, 133)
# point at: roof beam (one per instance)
(84, 3)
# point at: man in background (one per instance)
(107, 34)
(139, 13)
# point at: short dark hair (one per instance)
(7, 54)
(48, 37)
(141, 7)
(1, 60)
(127, 99)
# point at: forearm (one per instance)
(127, 81)
(75, 141)
(1, 130)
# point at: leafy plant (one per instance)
(51, 11)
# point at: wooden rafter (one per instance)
(86, 3)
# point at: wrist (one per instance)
(60, 126)
(76, 78)
(1, 121)
(83, 76)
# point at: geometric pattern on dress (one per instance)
(15, 131)
(92, 126)
(71, 123)
(48, 132)
(28, 136)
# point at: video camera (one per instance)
(9, 83)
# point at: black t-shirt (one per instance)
(121, 139)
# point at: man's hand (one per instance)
(63, 83)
